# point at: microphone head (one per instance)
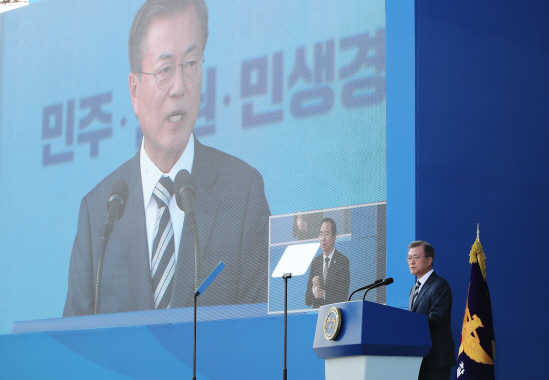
(119, 193)
(184, 191)
(389, 281)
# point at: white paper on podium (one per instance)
(296, 259)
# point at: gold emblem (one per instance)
(332, 323)
(470, 342)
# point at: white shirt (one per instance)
(150, 175)
(424, 279)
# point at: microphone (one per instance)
(184, 195)
(115, 210)
(365, 287)
(387, 281)
(116, 205)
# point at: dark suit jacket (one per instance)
(337, 280)
(232, 218)
(435, 300)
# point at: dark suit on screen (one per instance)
(435, 300)
(232, 218)
(337, 280)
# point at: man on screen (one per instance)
(149, 261)
(329, 274)
(432, 296)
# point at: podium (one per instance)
(370, 341)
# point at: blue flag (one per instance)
(477, 349)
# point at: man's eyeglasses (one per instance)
(413, 258)
(165, 75)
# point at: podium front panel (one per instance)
(368, 328)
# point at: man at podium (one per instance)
(329, 275)
(431, 295)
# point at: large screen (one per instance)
(292, 101)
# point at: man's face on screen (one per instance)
(326, 239)
(167, 116)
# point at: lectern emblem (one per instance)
(332, 323)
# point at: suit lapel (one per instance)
(333, 266)
(207, 198)
(204, 175)
(424, 289)
(411, 297)
(318, 265)
(134, 233)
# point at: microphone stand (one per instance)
(387, 281)
(285, 276)
(194, 230)
(194, 341)
(99, 274)
(198, 292)
(364, 287)
(115, 210)
(367, 290)
(104, 241)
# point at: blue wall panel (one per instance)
(401, 99)
(482, 138)
(232, 349)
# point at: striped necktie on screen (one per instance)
(416, 292)
(163, 252)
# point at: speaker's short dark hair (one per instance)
(332, 225)
(428, 248)
(153, 9)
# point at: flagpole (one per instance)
(476, 354)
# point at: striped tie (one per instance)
(416, 292)
(163, 257)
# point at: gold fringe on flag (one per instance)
(477, 256)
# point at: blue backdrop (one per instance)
(481, 157)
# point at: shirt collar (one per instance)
(330, 255)
(150, 174)
(425, 277)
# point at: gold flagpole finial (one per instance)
(477, 255)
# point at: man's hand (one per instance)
(301, 223)
(316, 283)
(318, 292)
